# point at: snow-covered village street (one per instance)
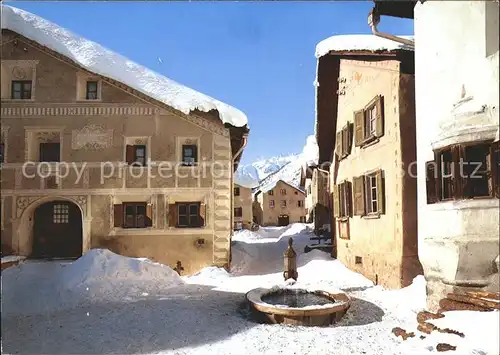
(104, 303)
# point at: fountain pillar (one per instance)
(290, 258)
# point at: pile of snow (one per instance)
(97, 59)
(101, 266)
(266, 172)
(98, 276)
(12, 258)
(359, 43)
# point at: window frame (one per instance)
(343, 144)
(22, 90)
(87, 97)
(371, 188)
(135, 224)
(133, 161)
(300, 203)
(240, 212)
(198, 223)
(364, 133)
(270, 193)
(283, 203)
(236, 191)
(2, 152)
(42, 154)
(272, 204)
(459, 185)
(194, 148)
(283, 192)
(60, 213)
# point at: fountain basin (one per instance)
(299, 306)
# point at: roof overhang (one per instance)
(395, 8)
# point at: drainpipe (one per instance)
(231, 211)
(374, 20)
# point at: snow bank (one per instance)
(97, 59)
(103, 266)
(359, 43)
(11, 258)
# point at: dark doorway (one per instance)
(57, 231)
(283, 220)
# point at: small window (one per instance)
(91, 93)
(238, 212)
(21, 89)
(300, 203)
(463, 171)
(270, 193)
(302, 219)
(283, 192)
(1, 153)
(283, 203)
(135, 215)
(61, 214)
(343, 141)
(236, 191)
(296, 193)
(50, 152)
(369, 122)
(342, 198)
(271, 203)
(189, 155)
(358, 260)
(136, 155)
(188, 215)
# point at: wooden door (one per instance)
(283, 220)
(57, 231)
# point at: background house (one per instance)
(57, 108)
(366, 103)
(243, 216)
(279, 204)
(318, 204)
(456, 65)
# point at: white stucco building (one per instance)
(456, 93)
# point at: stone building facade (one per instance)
(457, 100)
(243, 215)
(279, 204)
(315, 182)
(88, 162)
(370, 96)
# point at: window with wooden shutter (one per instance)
(359, 128)
(338, 144)
(149, 215)
(358, 186)
(203, 214)
(189, 215)
(431, 182)
(118, 215)
(135, 215)
(336, 201)
(345, 199)
(172, 215)
(130, 154)
(379, 117)
(380, 191)
(349, 137)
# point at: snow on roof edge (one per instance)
(100, 60)
(363, 42)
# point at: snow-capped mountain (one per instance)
(286, 167)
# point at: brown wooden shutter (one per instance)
(359, 128)
(349, 137)
(129, 154)
(149, 215)
(338, 144)
(118, 215)
(439, 175)
(172, 215)
(336, 201)
(380, 192)
(348, 197)
(358, 187)
(495, 168)
(457, 152)
(379, 129)
(431, 181)
(203, 215)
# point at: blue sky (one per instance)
(257, 56)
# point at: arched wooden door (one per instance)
(57, 231)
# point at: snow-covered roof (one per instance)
(100, 60)
(359, 43)
(273, 184)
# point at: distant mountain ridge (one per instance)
(262, 173)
